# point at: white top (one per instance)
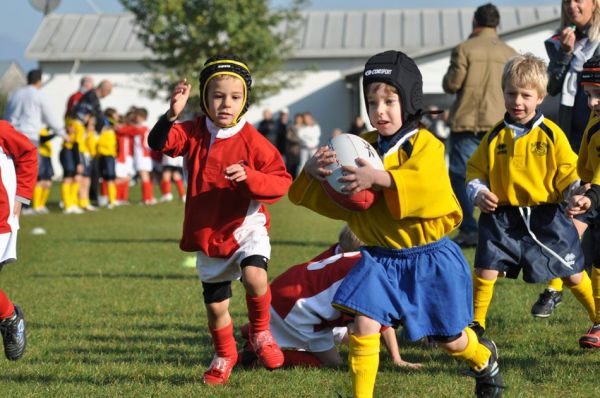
(309, 136)
(28, 110)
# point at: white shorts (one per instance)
(143, 163)
(172, 162)
(255, 242)
(8, 246)
(301, 337)
(124, 169)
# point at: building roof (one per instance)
(323, 34)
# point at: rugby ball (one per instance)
(348, 148)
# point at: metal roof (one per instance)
(323, 34)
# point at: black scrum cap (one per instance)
(400, 71)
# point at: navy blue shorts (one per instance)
(45, 169)
(506, 245)
(107, 167)
(86, 161)
(69, 159)
(427, 289)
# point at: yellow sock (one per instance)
(583, 292)
(112, 192)
(363, 359)
(596, 291)
(74, 193)
(45, 196)
(483, 290)
(36, 203)
(475, 353)
(556, 284)
(84, 202)
(65, 191)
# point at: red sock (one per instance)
(120, 191)
(224, 341)
(180, 188)
(301, 358)
(6, 306)
(147, 191)
(104, 188)
(126, 191)
(258, 311)
(165, 187)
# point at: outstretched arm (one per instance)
(388, 335)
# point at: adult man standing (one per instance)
(28, 110)
(85, 85)
(474, 74)
(268, 127)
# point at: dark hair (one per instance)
(34, 76)
(487, 15)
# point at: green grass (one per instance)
(111, 311)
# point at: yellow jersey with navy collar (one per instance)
(420, 209)
(525, 165)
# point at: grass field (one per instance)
(111, 311)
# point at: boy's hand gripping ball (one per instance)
(348, 148)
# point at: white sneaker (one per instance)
(91, 208)
(28, 211)
(42, 210)
(73, 210)
(102, 201)
(166, 197)
(183, 199)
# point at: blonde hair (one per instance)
(526, 71)
(594, 25)
(347, 240)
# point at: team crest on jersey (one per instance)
(539, 148)
(501, 149)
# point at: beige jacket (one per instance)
(475, 75)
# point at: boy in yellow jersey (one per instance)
(45, 173)
(70, 162)
(585, 204)
(410, 273)
(106, 150)
(518, 176)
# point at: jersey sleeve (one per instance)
(307, 192)
(268, 180)
(478, 165)
(422, 187)
(177, 143)
(24, 156)
(566, 163)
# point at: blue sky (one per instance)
(19, 20)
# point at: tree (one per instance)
(182, 34)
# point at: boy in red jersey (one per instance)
(232, 172)
(18, 166)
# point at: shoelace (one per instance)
(219, 364)
(262, 339)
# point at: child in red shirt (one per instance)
(232, 172)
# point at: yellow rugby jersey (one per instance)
(421, 208)
(532, 169)
(74, 128)
(107, 143)
(588, 164)
(45, 147)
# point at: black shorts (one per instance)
(107, 167)
(506, 245)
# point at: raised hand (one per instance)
(179, 97)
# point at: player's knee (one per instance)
(216, 292)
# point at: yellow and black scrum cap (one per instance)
(225, 65)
